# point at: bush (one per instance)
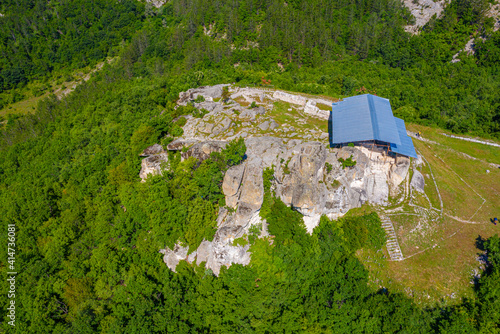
(234, 153)
(181, 121)
(176, 131)
(143, 137)
(329, 167)
(347, 162)
(286, 169)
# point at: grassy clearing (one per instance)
(242, 102)
(283, 115)
(60, 84)
(322, 106)
(440, 251)
(476, 150)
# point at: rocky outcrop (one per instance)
(311, 109)
(252, 113)
(231, 184)
(423, 11)
(307, 173)
(157, 3)
(301, 180)
(155, 161)
(209, 93)
(202, 151)
(151, 150)
(290, 98)
(417, 181)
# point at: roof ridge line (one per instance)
(373, 116)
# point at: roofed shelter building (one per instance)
(368, 119)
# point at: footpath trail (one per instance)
(472, 140)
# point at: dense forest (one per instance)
(88, 232)
(336, 48)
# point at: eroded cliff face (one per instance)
(307, 176)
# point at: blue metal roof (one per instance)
(369, 117)
(363, 117)
(406, 147)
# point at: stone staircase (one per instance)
(392, 241)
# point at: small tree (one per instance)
(225, 94)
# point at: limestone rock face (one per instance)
(172, 257)
(302, 179)
(290, 98)
(201, 151)
(231, 184)
(154, 149)
(157, 3)
(152, 165)
(252, 192)
(298, 180)
(208, 92)
(423, 11)
(417, 181)
(307, 173)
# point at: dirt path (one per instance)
(472, 140)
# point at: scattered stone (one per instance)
(273, 125)
(311, 109)
(206, 127)
(264, 126)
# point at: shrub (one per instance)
(347, 162)
(176, 131)
(286, 170)
(234, 152)
(254, 232)
(329, 167)
(200, 113)
(240, 242)
(376, 235)
(181, 122)
(225, 94)
(143, 137)
(199, 99)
